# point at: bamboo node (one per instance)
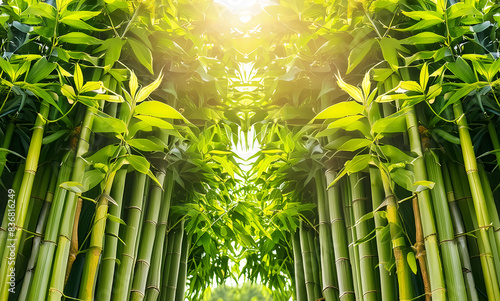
(358, 199)
(151, 222)
(336, 220)
(135, 207)
(137, 291)
(153, 287)
(329, 287)
(469, 171)
(438, 289)
(145, 262)
(346, 293)
(324, 223)
(366, 256)
(432, 234)
(370, 292)
(341, 259)
(446, 240)
(31, 171)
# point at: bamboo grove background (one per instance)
(377, 124)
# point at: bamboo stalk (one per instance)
(39, 232)
(479, 200)
(494, 235)
(9, 131)
(387, 283)
(73, 249)
(313, 246)
(66, 227)
(434, 264)
(181, 285)
(420, 250)
(43, 265)
(339, 236)
(307, 261)
(167, 258)
(109, 260)
(328, 270)
(23, 198)
(300, 288)
(459, 230)
(175, 262)
(138, 289)
(5, 220)
(398, 243)
(127, 259)
(464, 199)
(154, 276)
(451, 258)
(494, 140)
(367, 257)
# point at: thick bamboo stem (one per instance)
(328, 270)
(387, 283)
(23, 198)
(300, 288)
(367, 257)
(154, 276)
(483, 219)
(108, 262)
(175, 262)
(420, 250)
(339, 237)
(135, 211)
(148, 234)
(9, 131)
(459, 229)
(434, 264)
(66, 227)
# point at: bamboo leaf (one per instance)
(157, 109)
(410, 258)
(355, 144)
(144, 145)
(354, 92)
(358, 53)
(79, 38)
(341, 109)
(73, 187)
(142, 53)
(423, 38)
(146, 91)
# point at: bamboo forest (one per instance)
(232, 150)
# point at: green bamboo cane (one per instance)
(38, 286)
(420, 249)
(351, 236)
(93, 254)
(339, 236)
(40, 188)
(494, 235)
(127, 259)
(307, 261)
(9, 131)
(494, 140)
(5, 220)
(138, 289)
(66, 228)
(387, 284)
(108, 261)
(154, 276)
(398, 242)
(181, 285)
(330, 289)
(479, 200)
(42, 221)
(23, 198)
(300, 288)
(313, 246)
(434, 265)
(468, 213)
(167, 258)
(175, 262)
(367, 257)
(459, 230)
(451, 257)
